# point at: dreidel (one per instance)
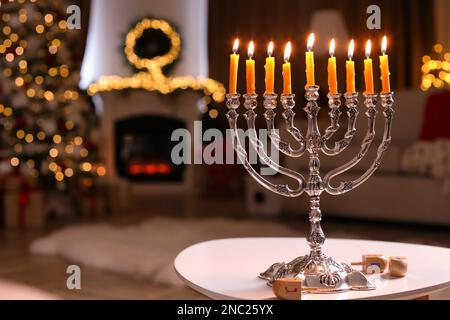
(287, 288)
(372, 263)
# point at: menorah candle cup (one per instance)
(287, 288)
(398, 266)
(372, 263)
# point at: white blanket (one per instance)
(146, 250)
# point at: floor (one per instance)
(49, 273)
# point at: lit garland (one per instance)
(435, 72)
(156, 62)
(153, 79)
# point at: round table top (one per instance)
(228, 268)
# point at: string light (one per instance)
(57, 138)
(40, 28)
(68, 172)
(153, 79)
(52, 166)
(86, 166)
(59, 176)
(84, 152)
(29, 138)
(69, 149)
(41, 135)
(31, 92)
(435, 72)
(159, 61)
(30, 163)
(78, 141)
(101, 171)
(15, 162)
(8, 112)
(69, 125)
(20, 134)
(213, 113)
(53, 152)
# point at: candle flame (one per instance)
(235, 45)
(384, 45)
(287, 51)
(351, 49)
(270, 49)
(251, 49)
(311, 39)
(368, 48)
(332, 47)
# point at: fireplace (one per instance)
(143, 149)
(136, 128)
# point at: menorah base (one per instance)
(319, 274)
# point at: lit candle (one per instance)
(384, 65)
(287, 82)
(250, 68)
(270, 70)
(368, 70)
(350, 68)
(310, 79)
(332, 73)
(234, 64)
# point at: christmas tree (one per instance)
(47, 125)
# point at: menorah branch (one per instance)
(345, 186)
(387, 103)
(334, 102)
(270, 103)
(233, 103)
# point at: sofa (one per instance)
(390, 194)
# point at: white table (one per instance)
(16, 291)
(228, 268)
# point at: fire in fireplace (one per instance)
(137, 168)
(143, 149)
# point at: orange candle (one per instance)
(250, 68)
(310, 78)
(270, 70)
(234, 64)
(287, 81)
(350, 68)
(332, 73)
(384, 65)
(368, 70)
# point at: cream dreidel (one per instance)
(398, 266)
(287, 288)
(372, 263)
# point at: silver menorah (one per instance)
(317, 271)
